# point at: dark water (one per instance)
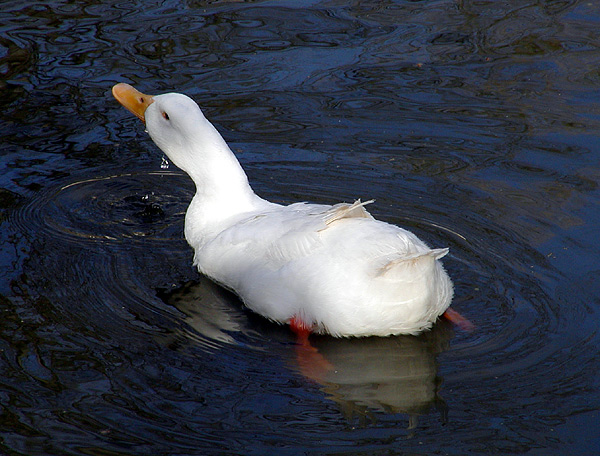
(474, 124)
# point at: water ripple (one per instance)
(110, 209)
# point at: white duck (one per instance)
(325, 269)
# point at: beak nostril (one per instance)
(132, 99)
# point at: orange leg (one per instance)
(457, 319)
(301, 329)
(312, 364)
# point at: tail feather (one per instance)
(435, 254)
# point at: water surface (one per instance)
(474, 124)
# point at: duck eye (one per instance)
(165, 115)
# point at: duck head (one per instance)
(179, 128)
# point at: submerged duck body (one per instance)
(331, 269)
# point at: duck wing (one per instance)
(278, 236)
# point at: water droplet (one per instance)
(164, 163)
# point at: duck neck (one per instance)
(207, 159)
(219, 177)
(222, 188)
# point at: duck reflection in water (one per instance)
(361, 375)
(392, 375)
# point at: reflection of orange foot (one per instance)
(312, 364)
(457, 319)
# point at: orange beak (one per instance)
(132, 99)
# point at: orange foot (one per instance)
(457, 319)
(312, 364)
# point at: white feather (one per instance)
(335, 267)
